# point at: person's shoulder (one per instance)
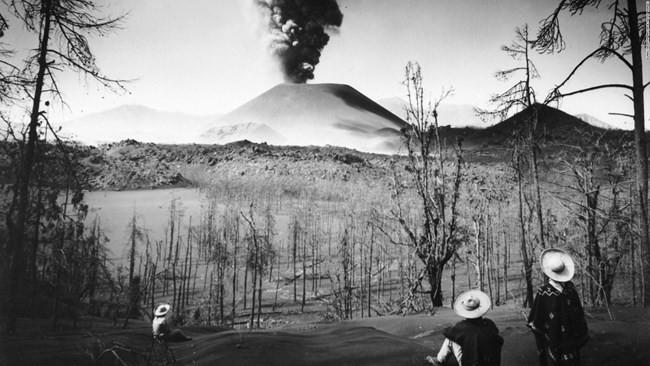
(459, 324)
(451, 331)
(488, 321)
(571, 290)
(569, 286)
(474, 323)
(457, 327)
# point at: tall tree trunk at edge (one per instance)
(16, 224)
(640, 142)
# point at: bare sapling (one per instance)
(435, 237)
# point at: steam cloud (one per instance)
(297, 33)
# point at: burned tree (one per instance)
(596, 173)
(521, 95)
(61, 27)
(435, 238)
(261, 254)
(621, 37)
(525, 142)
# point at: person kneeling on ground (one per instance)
(161, 328)
(474, 341)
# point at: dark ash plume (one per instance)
(297, 33)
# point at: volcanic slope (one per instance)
(317, 114)
(550, 122)
(552, 126)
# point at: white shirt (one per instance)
(558, 286)
(160, 326)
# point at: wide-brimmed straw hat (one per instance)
(162, 309)
(557, 265)
(472, 304)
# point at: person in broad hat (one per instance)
(475, 340)
(556, 317)
(161, 327)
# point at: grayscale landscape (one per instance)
(315, 182)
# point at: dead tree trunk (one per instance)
(16, 223)
(528, 270)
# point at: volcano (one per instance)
(549, 121)
(315, 114)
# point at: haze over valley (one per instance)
(287, 114)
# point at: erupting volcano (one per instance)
(315, 114)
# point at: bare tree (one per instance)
(594, 170)
(62, 27)
(262, 254)
(136, 235)
(485, 193)
(525, 145)
(526, 256)
(521, 94)
(621, 37)
(435, 239)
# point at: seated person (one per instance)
(161, 328)
(474, 341)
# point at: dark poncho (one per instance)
(559, 325)
(480, 341)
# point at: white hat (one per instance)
(162, 309)
(472, 304)
(557, 265)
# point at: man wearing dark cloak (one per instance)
(474, 341)
(557, 318)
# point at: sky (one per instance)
(206, 57)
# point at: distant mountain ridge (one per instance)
(135, 122)
(454, 115)
(131, 164)
(254, 132)
(298, 114)
(594, 121)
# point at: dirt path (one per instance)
(392, 340)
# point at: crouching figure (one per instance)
(474, 341)
(161, 328)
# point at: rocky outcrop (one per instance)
(133, 165)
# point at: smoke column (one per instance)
(297, 33)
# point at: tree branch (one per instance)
(549, 38)
(621, 114)
(558, 95)
(592, 54)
